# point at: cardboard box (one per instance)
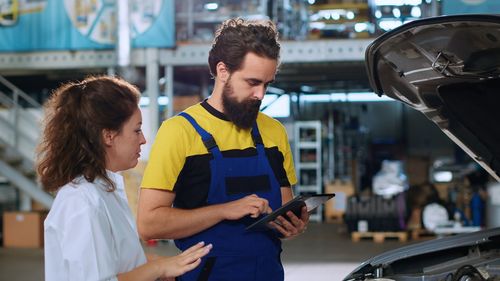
(183, 102)
(38, 207)
(23, 229)
(335, 208)
(442, 189)
(417, 170)
(132, 179)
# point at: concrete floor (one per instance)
(324, 252)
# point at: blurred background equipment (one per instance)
(390, 180)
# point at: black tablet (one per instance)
(312, 201)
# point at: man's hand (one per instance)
(251, 205)
(293, 226)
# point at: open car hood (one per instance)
(448, 68)
(437, 259)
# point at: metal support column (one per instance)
(169, 89)
(190, 19)
(111, 71)
(123, 44)
(331, 147)
(152, 88)
(204, 87)
(263, 8)
(24, 202)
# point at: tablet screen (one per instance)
(312, 201)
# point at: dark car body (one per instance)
(448, 68)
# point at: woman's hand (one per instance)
(184, 262)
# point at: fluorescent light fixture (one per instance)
(316, 98)
(212, 6)
(317, 25)
(396, 12)
(378, 14)
(311, 2)
(305, 88)
(334, 14)
(389, 2)
(268, 99)
(442, 176)
(276, 106)
(342, 97)
(413, 2)
(144, 101)
(397, 2)
(389, 24)
(416, 12)
(360, 27)
(274, 90)
(315, 17)
(365, 97)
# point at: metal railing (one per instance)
(16, 112)
(20, 130)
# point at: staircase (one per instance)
(20, 117)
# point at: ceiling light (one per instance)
(396, 12)
(276, 105)
(211, 6)
(442, 176)
(389, 2)
(413, 2)
(416, 12)
(144, 101)
(342, 97)
(389, 24)
(274, 90)
(360, 27)
(397, 2)
(317, 25)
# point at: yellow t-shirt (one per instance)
(179, 161)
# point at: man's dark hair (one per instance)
(237, 37)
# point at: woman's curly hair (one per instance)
(75, 116)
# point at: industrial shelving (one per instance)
(308, 161)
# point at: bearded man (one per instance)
(221, 164)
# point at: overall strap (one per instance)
(257, 139)
(206, 137)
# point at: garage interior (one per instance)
(398, 179)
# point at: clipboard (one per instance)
(311, 201)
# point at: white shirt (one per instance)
(90, 233)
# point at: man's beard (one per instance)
(242, 114)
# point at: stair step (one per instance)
(3, 145)
(31, 174)
(13, 160)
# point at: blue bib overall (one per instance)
(237, 255)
